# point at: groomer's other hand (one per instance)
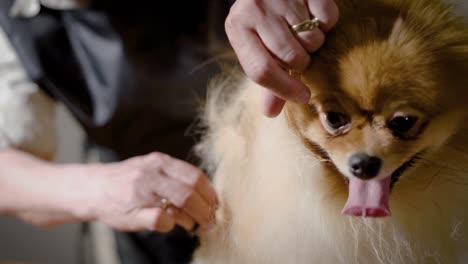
(128, 195)
(259, 32)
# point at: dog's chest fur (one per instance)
(282, 205)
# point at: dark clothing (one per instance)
(124, 70)
(128, 71)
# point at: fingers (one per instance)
(326, 11)
(191, 176)
(197, 208)
(263, 69)
(184, 198)
(154, 219)
(137, 191)
(185, 186)
(181, 218)
(281, 42)
(186, 207)
(260, 34)
(310, 40)
(272, 105)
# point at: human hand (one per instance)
(259, 31)
(128, 195)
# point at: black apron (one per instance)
(133, 74)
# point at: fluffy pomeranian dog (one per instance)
(374, 169)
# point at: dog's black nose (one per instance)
(364, 166)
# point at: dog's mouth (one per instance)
(370, 198)
(395, 176)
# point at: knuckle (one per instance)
(235, 15)
(260, 72)
(195, 178)
(157, 158)
(137, 187)
(243, 13)
(182, 199)
(294, 58)
(231, 22)
(136, 176)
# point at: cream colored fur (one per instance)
(278, 204)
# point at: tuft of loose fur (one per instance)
(281, 197)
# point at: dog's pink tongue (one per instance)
(368, 198)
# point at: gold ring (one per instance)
(165, 203)
(307, 25)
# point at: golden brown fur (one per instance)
(281, 180)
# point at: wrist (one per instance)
(78, 189)
(41, 192)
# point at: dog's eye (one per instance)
(402, 124)
(336, 120)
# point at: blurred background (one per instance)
(23, 243)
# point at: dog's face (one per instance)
(380, 98)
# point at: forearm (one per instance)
(40, 192)
(125, 195)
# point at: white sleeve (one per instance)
(27, 114)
